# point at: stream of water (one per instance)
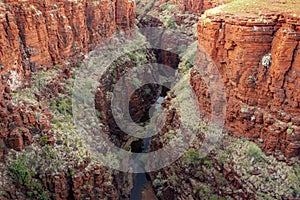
(141, 180)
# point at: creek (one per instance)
(141, 181)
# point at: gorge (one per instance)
(251, 48)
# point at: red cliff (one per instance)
(196, 6)
(259, 60)
(40, 34)
(36, 34)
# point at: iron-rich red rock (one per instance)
(260, 66)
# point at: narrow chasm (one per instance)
(144, 102)
(142, 185)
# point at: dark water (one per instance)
(141, 180)
(136, 192)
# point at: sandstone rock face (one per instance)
(228, 171)
(40, 34)
(93, 182)
(18, 138)
(196, 6)
(260, 66)
(18, 123)
(125, 14)
(37, 34)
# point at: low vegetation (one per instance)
(24, 176)
(258, 7)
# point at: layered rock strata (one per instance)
(196, 6)
(38, 35)
(259, 61)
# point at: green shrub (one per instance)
(158, 181)
(164, 7)
(170, 22)
(58, 66)
(203, 191)
(72, 171)
(173, 179)
(20, 172)
(191, 156)
(62, 105)
(222, 158)
(136, 82)
(207, 162)
(43, 140)
(2, 193)
(79, 64)
(24, 176)
(289, 131)
(254, 152)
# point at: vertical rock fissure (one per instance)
(142, 185)
(141, 181)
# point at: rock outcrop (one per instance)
(235, 168)
(259, 60)
(93, 182)
(19, 122)
(125, 14)
(37, 34)
(196, 6)
(40, 34)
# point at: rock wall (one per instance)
(92, 182)
(196, 6)
(259, 60)
(230, 170)
(40, 34)
(125, 14)
(37, 34)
